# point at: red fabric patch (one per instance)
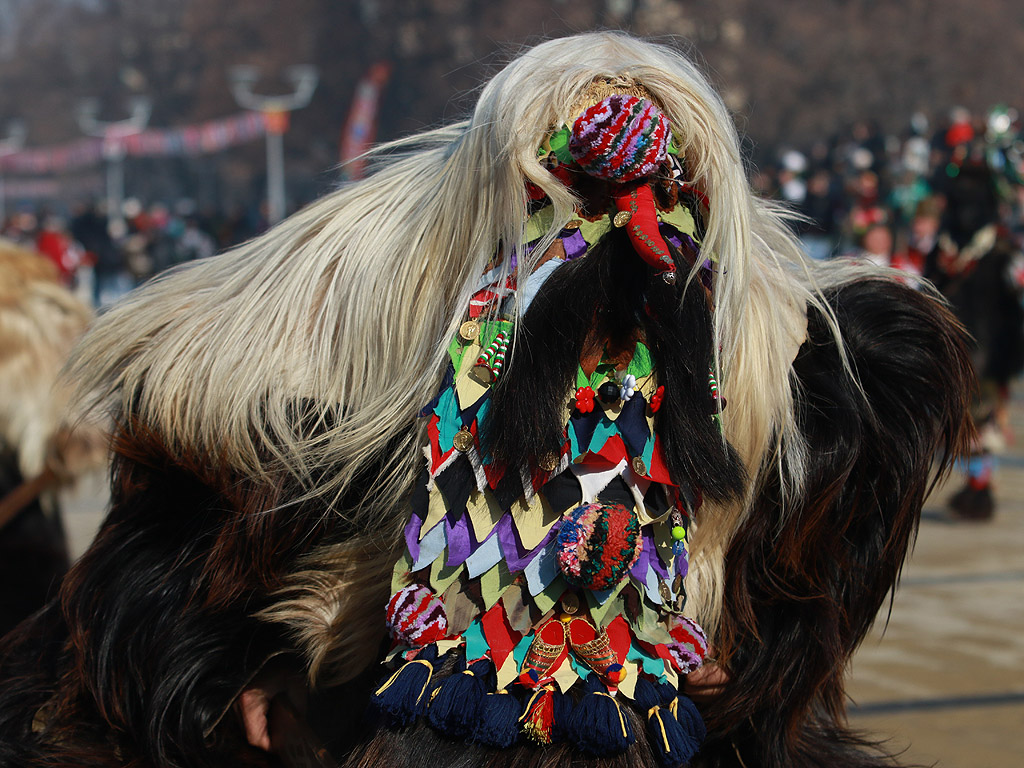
(619, 638)
(658, 472)
(500, 636)
(433, 433)
(614, 450)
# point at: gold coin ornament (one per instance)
(622, 218)
(639, 465)
(548, 462)
(469, 331)
(463, 440)
(570, 603)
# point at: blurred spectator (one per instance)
(55, 243)
(822, 209)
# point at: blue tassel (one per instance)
(691, 722)
(598, 725)
(455, 706)
(671, 744)
(399, 697)
(498, 725)
(563, 711)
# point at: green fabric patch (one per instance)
(400, 576)
(593, 231)
(456, 349)
(681, 218)
(493, 583)
(559, 145)
(539, 223)
(443, 576)
(641, 365)
(549, 596)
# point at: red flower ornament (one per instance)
(584, 399)
(659, 393)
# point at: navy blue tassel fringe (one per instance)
(455, 707)
(498, 725)
(598, 725)
(400, 696)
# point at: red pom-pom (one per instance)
(416, 616)
(598, 544)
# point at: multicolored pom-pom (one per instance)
(621, 138)
(598, 544)
(416, 617)
(689, 644)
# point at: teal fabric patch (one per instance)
(574, 445)
(449, 423)
(648, 452)
(520, 651)
(476, 645)
(651, 666)
(602, 434)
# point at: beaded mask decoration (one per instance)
(565, 573)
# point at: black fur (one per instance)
(804, 585)
(611, 295)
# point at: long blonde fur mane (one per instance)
(349, 304)
(40, 321)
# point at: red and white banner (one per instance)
(203, 138)
(360, 129)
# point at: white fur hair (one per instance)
(40, 321)
(349, 304)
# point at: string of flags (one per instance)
(198, 139)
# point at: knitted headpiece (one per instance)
(621, 138)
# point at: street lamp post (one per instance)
(275, 111)
(13, 143)
(113, 134)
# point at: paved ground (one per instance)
(945, 680)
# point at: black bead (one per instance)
(609, 392)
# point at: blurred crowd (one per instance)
(101, 258)
(888, 197)
(944, 203)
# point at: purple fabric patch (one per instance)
(574, 244)
(671, 236)
(460, 541)
(643, 562)
(516, 556)
(656, 563)
(683, 565)
(412, 536)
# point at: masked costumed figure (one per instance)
(40, 321)
(467, 418)
(980, 269)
